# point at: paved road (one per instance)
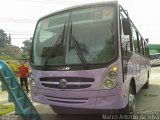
(147, 102)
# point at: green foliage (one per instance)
(4, 39)
(5, 57)
(9, 60)
(27, 45)
(4, 109)
(24, 56)
(26, 49)
(13, 65)
(154, 48)
(0, 88)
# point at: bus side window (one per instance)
(141, 45)
(135, 40)
(146, 50)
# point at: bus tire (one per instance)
(130, 108)
(146, 85)
(58, 112)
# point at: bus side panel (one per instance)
(136, 69)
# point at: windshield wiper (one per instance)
(78, 49)
(59, 41)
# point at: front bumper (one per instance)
(100, 99)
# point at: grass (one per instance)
(0, 91)
(7, 108)
(4, 109)
(0, 87)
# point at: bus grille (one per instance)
(71, 82)
(67, 100)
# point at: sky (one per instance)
(19, 17)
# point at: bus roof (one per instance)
(80, 6)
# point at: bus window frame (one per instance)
(77, 66)
(138, 39)
(142, 46)
(134, 31)
(125, 15)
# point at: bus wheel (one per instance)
(130, 108)
(57, 111)
(146, 85)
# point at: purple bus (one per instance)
(89, 58)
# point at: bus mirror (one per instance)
(126, 26)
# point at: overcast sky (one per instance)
(18, 17)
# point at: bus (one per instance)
(89, 58)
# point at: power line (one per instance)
(12, 31)
(55, 2)
(154, 37)
(21, 38)
(6, 18)
(20, 34)
(17, 32)
(15, 21)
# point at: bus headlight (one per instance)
(109, 84)
(110, 80)
(112, 74)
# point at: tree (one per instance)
(27, 45)
(9, 39)
(4, 39)
(154, 48)
(24, 56)
(26, 49)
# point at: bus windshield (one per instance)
(81, 36)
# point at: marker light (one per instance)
(115, 68)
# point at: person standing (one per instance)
(23, 74)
